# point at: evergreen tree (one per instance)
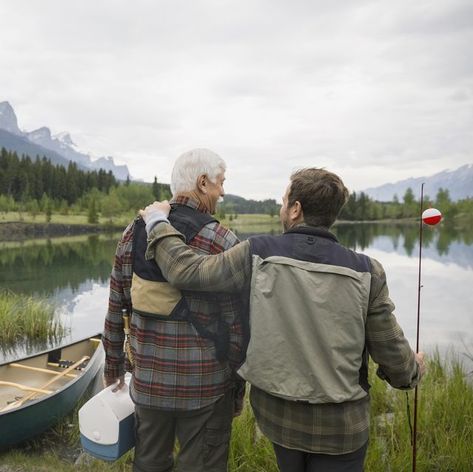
(155, 189)
(33, 208)
(410, 205)
(92, 215)
(48, 210)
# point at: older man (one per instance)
(317, 311)
(184, 345)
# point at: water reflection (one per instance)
(48, 266)
(440, 243)
(74, 274)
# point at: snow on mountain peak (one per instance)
(40, 134)
(64, 137)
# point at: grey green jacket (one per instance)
(308, 306)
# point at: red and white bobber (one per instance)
(431, 216)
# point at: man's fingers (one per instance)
(156, 207)
(120, 385)
(420, 360)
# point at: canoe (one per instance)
(37, 391)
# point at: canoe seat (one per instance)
(64, 364)
(35, 391)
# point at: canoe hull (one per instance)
(38, 415)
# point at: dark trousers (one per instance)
(203, 437)
(291, 460)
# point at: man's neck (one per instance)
(197, 198)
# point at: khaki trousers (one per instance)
(203, 437)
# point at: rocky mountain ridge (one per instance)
(60, 148)
(459, 183)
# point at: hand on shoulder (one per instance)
(156, 210)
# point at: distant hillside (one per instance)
(236, 204)
(59, 148)
(459, 183)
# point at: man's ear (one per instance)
(296, 212)
(202, 183)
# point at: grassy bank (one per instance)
(57, 218)
(23, 317)
(236, 221)
(445, 433)
(124, 219)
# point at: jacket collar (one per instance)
(190, 202)
(313, 231)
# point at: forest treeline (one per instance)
(38, 186)
(360, 207)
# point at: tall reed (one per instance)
(27, 318)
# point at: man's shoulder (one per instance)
(220, 235)
(262, 244)
(126, 239)
(129, 231)
(359, 260)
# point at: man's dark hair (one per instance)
(321, 194)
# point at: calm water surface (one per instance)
(74, 273)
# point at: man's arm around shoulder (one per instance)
(185, 269)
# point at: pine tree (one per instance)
(48, 210)
(93, 216)
(155, 189)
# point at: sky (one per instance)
(376, 91)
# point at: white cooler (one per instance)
(106, 423)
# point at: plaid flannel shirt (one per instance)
(332, 428)
(175, 368)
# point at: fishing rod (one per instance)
(431, 217)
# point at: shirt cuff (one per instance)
(155, 218)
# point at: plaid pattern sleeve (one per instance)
(384, 337)
(119, 298)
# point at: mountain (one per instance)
(8, 120)
(459, 183)
(20, 144)
(59, 148)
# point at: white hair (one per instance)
(190, 165)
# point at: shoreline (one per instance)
(20, 231)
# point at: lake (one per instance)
(73, 273)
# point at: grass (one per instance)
(249, 219)
(445, 422)
(25, 317)
(124, 219)
(57, 218)
(445, 433)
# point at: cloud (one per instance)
(360, 87)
